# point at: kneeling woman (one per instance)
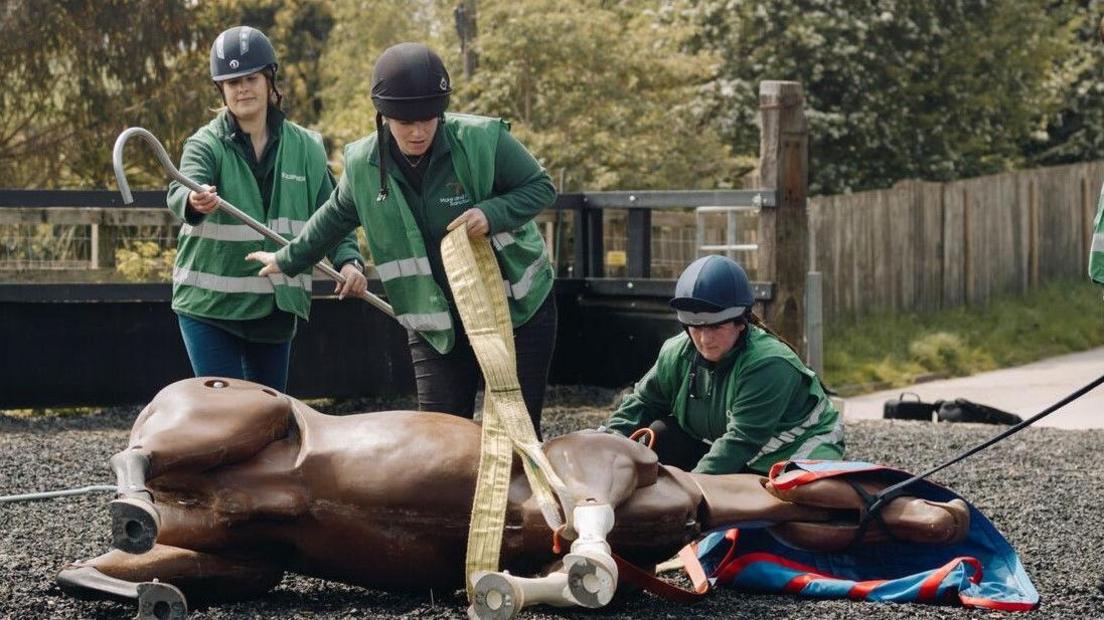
(727, 395)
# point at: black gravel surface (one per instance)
(1043, 489)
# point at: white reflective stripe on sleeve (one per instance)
(221, 232)
(502, 240)
(817, 441)
(786, 437)
(287, 226)
(1098, 242)
(521, 289)
(403, 267)
(430, 322)
(244, 284)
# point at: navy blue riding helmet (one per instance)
(239, 51)
(712, 290)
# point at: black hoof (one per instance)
(134, 525)
(161, 601)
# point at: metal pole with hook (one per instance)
(166, 163)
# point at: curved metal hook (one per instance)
(166, 163)
(158, 150)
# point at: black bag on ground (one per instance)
(902, 408)
(957, 410)
(962, 410)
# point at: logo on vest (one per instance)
(287, 176)
(459, 199)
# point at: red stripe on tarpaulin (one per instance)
(798, 583)
(862, 589)
(808, 573)
(726, 573)
(808, 476)
(929, 588)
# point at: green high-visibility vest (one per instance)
(398, 247)
(211, 277)
(1096, 254)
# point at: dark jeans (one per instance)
(218, 353)
(448, 383)
(674, 446)
(677, 448)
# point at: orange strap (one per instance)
(647, 433)
(630, 573)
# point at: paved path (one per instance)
(1024, 390)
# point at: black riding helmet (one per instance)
(240, 51)
(409, 83)
(712, 290)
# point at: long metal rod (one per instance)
(27, 497)
(166, 163)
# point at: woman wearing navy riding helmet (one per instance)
(423, 173)
(234, 323)
(727, 395)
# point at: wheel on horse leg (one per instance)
(495, 597)
(134, 525)
(161, 601)
(591, 578)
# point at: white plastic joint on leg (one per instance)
(592, 572)
(592, 523)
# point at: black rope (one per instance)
(889, 493)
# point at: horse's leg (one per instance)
(191, 425)
(163, 580)
(601, 472)
(907, 517)
(500, 596)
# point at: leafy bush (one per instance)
(145, 261)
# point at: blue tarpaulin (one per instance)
(981, 571)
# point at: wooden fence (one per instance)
(928, 246)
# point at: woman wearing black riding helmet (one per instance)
(234, 323)
(727, 395)
(423, 173)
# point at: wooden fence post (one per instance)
(784, 229)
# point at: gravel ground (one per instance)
(1042, 488)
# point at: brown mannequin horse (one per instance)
(226, 484)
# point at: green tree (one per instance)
(894, 88)
(1075, 131)
(600, 90)
(76, 73)
(362, 30)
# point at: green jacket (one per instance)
(1096, 255)
(474, 162)
(211, 278)
(757, 406)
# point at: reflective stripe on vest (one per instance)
(502, 240)
(521, 289)
(404, 267)
(241, 232)
(816, 441)
(240, 284)
(788, 436)
(1098, 242)
(430, 322)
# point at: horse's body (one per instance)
(247, 483)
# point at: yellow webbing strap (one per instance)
(477, 287)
